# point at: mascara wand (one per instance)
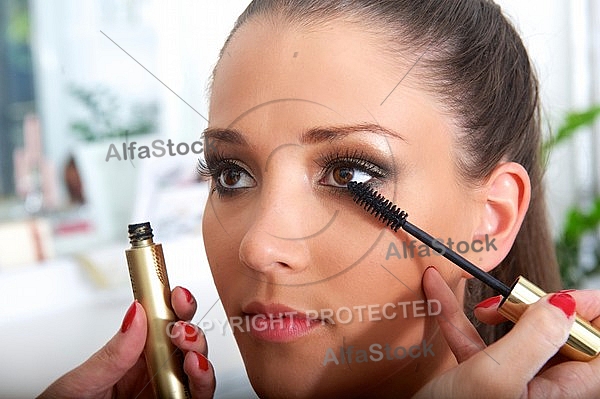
(394, 218)
(584, 340)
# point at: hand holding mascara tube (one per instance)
(517, 364)
(525, 350)
(150, 284)
(113, 371)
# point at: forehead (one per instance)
(275, 83)
(340, 66)
(266, 60)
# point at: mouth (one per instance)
(278, 323)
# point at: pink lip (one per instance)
(277, 323)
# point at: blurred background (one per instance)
(82, 81)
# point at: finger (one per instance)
(183, 302)
(486, 311)
(103, 369)
(568, 380)
(588, 307)
(461, 335)
(200, 374)
(189, 337)
(538, 335)
(588, 304)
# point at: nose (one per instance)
(278, 240)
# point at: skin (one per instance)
(283, 184)
(342, 80)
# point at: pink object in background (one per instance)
(32, 139)
(35, 176)
(49, 184)
(20, 170)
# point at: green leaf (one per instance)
(573, 122)
(580, 222)
(105, 115)
(83, 130)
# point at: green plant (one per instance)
(105, 116)
(579, 222)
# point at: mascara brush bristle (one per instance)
(377, 205)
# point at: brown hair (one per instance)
(471, 57)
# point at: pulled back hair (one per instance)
(471, 58)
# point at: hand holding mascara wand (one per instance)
(584, 340)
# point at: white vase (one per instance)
(109, 186)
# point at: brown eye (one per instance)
(234, 177)
(343, 175)
(230, 177)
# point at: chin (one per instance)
(294, 387)
(288, 370)
(296, 371)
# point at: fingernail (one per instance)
(429, 267)
(129, 316)
(564, 302)
(565, 291)
(202, 361)
(188, 295)
(191, 334)
(488, 303)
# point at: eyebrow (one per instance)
(315, 135)
(331, 133)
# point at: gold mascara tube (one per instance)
(150, 285)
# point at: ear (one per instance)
(505, 199)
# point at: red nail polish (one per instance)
(190, 333)
(202, 362)
(129, 316)
(564, 302)
(488, 303)
(188, 295)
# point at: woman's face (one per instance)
(294, 115)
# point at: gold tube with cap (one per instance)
(583, 342)
(150, 285)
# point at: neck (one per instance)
(408, 380)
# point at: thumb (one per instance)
(537, 336)
(107, 366)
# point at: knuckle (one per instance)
(542, 321)
(111, 356)
(590, 302)
(480, 377)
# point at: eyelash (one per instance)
(214, 164)
(356, 159)
(211, 168)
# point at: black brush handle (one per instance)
(390, 215)
(461, 262)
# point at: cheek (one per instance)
(219, 246)
(378, 280)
